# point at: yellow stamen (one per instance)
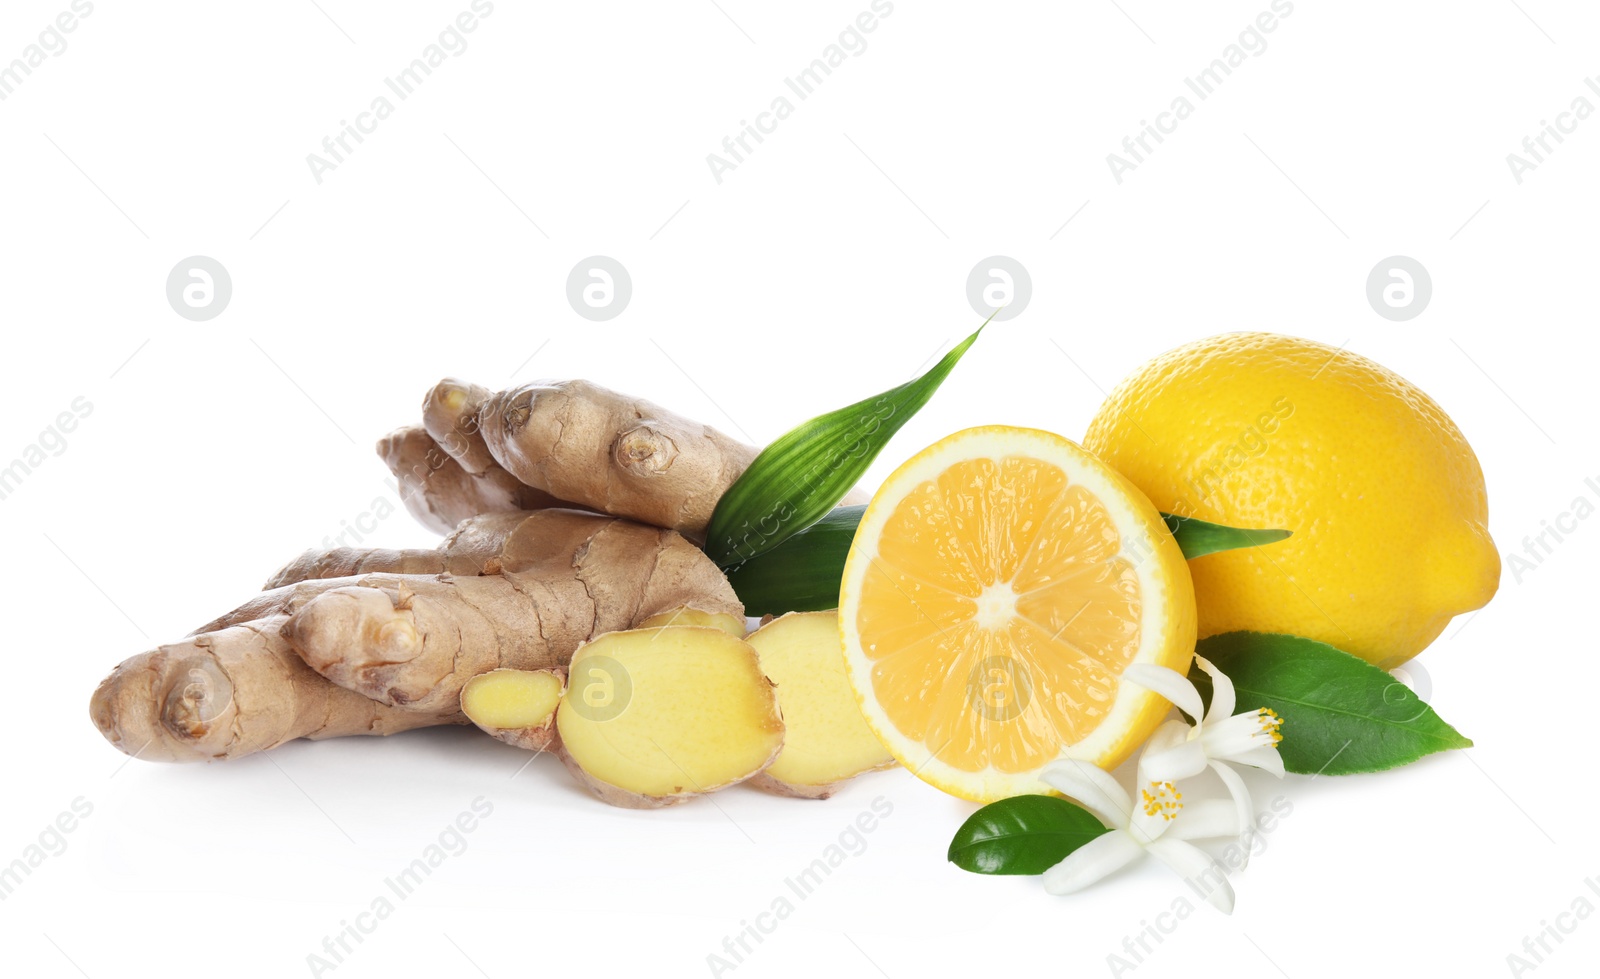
(1270, 723)
(1165, 801)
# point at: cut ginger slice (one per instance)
(656, 716)
(733, 625)
(516, 706)
(826, 740)
(999, 584)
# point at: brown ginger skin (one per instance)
(440, 494)
(235, 686)
(474, 548)
(450, 416)
(624, 456)
(232, 693)
(477, 547)
(564, 577)
(563, 440)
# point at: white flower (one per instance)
(1158, 823)
(1220, 739)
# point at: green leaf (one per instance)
(1341, 715)
(1197, 538)
(797, 479)
(801, 574)
(1026, 834)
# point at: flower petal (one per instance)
(1092, 787)
(1244, 811)
(1210, 819)
(1223, 699)
(1202, 873)
(1185, 759)
(1168, 683)
(1094, 860)
(1266, 759)
(1171, 731)
(1229, 737)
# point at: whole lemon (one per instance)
(1384, 496)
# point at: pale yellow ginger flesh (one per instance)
(516, 706)
(652, 717)
(733, 625)
(827, 740)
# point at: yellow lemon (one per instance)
(1384, 496)
(998, 585)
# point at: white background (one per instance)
(828, 266)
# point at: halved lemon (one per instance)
(1000, 582)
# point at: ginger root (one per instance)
(654, 717)
(450, 415)
(827, 741)
(566, 440)
(515, 706)
(234, 686)
(478, 546)
(440, 493)
(563, 578)
(624, 456)
(231, 693)
(390, 651)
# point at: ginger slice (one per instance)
(654, 717)
(826, 739)
(733, 625)
(515, 706)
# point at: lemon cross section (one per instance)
(999, 583)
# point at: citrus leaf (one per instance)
(1197, 538)
(802, 574)
(1026, 834)
(797, 479)
(1341, 715)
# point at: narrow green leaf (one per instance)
(802, 574)
(797, 479)
(1026, 834)
(1341, 715)
(1197, 538)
